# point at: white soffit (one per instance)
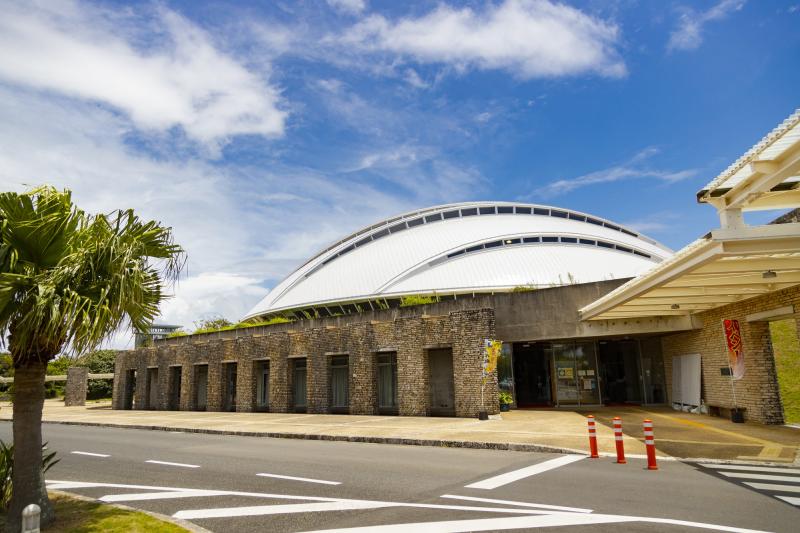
(724, 267)
(766, 177)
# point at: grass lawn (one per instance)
(787, 360)
(78, 516)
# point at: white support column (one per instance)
(731, 218)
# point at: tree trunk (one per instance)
(28, 481)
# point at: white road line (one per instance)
(527, 522)
(261, 510)
(306, 479)
(766, 477)
(519, 504)
(90, 454)
(143, 496)
(516, 475)
(745, 468)
(65, 485)
(184, 465)
(774, 487)
(225, 512)
(790, 499)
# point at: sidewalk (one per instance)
(680, 435)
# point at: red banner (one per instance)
(733, 337)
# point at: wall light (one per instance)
(769, 274)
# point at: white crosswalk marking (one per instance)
(773, 487)
(766, 477)
(746, 468)
(790, 499)
(516, 475)
(781, 479)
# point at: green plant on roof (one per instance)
(410, 301)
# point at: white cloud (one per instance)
(414, 79)
(348, 6)
(634, 168)
(243, 227)
(211, 294)
(661, 222)
(529, 38)
(689, 33)
(180, 80)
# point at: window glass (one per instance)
(339, 371)
(299, 383)
(387, 381)
(505, 370)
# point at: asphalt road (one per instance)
(213, 481)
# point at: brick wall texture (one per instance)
(410, 337)
(758, 390)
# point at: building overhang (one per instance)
(725, 266)
(766, 177)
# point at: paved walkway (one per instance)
(678, 434)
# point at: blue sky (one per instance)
(261, 132)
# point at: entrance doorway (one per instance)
(130, 389)
(152, 388)
(262, 385)
(387, 383)
(532, 374)
(230, 387)
(299, 385)
(174, 388)
(442, 390)
(201, 387)
(620, 372)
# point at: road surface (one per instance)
(229, 483)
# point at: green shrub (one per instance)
(505, 397)
(7, 469)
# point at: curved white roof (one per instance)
(463, 248)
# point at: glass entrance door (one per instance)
(575, 365)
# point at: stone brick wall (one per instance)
(758, 390)
(77, 383)
(410, 336)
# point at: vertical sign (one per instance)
(490, 355)
(733, 338)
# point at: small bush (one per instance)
(505, 397)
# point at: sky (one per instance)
(263, 131)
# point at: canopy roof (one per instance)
(766, 177)
(723, 267)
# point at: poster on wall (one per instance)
(733, 339)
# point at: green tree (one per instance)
(99, 362)
(68, 280)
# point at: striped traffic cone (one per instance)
(650, 445)
(618, 440)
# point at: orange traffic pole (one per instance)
(650, 445)
(618, 440)
(592, 438)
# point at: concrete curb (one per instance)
(439, 443)
(164, 518)
(404, 441)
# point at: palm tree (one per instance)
(68, 280)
